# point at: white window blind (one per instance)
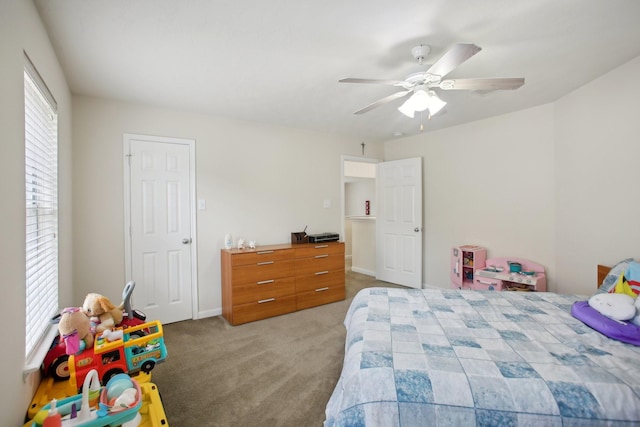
(41, 184)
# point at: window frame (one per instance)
(41, 215)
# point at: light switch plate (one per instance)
(326, 203)
(202, 204)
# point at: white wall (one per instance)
(21, 30)
(538, 184)
(356, 193)
(260, 182)
(597, 152)
(363, 240)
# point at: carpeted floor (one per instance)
(274, 372)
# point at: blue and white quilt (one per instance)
(427, 357)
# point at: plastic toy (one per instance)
(151, 412)
(56, 361)
(140, 348)
(92, 407)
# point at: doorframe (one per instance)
(357, 159)
(191, 143)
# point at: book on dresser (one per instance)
(277, 279)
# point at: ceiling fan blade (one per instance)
(482, 84)
(400, 83)
(455, 56)
(384, 100)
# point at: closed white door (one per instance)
(161, 231)
(399, 222)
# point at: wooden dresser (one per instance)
(278, 279)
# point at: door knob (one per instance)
(186, 241)
(417, 229)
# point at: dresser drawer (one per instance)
(319, 297)
(319, 264)
(264, 270)
(278, 279)
(257, 291)
(259, 256)
(311, 282)
(262, 309)
(320, 249)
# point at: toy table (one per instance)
(151, 411)
(497, 275)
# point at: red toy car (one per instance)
(56, 361)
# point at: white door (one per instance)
(161, 226)
(399, 222)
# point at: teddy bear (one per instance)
(75, 330)
(102, 312)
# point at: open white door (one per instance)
(160, 224)
(399, 222)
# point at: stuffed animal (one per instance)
(102, 312)
(615, 306)
(75, 330)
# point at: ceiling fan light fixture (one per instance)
(421, 100)
(407, 108)
(435, 104)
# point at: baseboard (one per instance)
(363, 271)
(209, 313)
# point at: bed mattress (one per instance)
(479, 358)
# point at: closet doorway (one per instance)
(358, 222)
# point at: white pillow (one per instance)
(614, 306)
(636, 319)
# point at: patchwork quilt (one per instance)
(427, 357)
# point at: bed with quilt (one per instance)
(436, 357)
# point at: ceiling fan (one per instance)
(420, 85)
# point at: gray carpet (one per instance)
(274, 372)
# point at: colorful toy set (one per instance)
(73, 328)
(137, 348)
(108, 357)
(118, 403)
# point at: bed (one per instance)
(435, 357)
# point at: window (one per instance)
(41, 185)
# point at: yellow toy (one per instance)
(623, 287)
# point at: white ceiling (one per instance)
(279, 61)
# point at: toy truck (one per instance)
(124, 350)
(56, 362)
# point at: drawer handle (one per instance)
(262, 301)
(264, 282)
(321, 246)
(265, 263)
(321, 272)
(486, 283)
(264, 252)
(322, 289)
(321, 256)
